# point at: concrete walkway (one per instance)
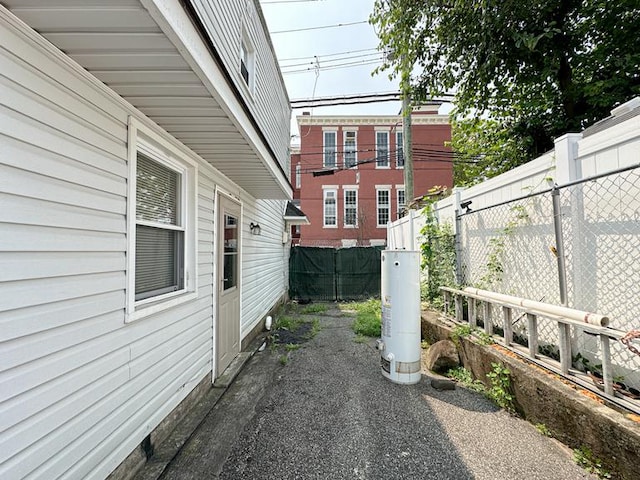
(329, 414)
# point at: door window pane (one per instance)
(230, 254)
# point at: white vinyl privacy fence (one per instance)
(563, 230)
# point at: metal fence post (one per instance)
(557, 227)
(458, 247)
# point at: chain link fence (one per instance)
(513, 248)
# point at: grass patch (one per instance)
(287, 322)
(315, 328)
(284, 359)
(290, 347)
(313, 308)
(368, 315)
(361, 339)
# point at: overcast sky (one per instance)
(359, 39)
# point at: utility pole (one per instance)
(406, 145)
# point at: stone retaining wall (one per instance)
(573, 415)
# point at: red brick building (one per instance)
(348, 174)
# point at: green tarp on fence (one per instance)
(317, 273)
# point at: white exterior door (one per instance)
(228, 283)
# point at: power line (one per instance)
(320, 27)
(334, 67)
(366, 97)
(328, 55)
(315, 61)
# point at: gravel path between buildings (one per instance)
(329, 414)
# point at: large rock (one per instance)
(442, 356)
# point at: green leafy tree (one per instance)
(531, 71)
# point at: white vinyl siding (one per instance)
(350, 207)
(225, 21)
(329, 149)
(382, 149)
(330, 208)
(383, 207)
(81, 388)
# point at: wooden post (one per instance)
(488, 326)
(506, 324)
(532, 333)
(607, 374)
(565, 348)
(471, 302)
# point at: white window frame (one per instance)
(298, 176)
(399, 150)
(325, 196)
(387, 163)
(326, 151)
(345, 189)
(381, 206)
(144, 140)
(353, 149)
(247, 57)
(400, 206)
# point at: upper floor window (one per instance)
(298, 176)
(382, 207)
(330, 212)
(399, 150)
(329, 150)
(247, 62)
(382, 149)
(350, 207)
(350, 149)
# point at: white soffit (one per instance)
(121, 44)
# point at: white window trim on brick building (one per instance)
(329, 202)
(382, 154)
(329, 149)
(351, 208)
(383, 208)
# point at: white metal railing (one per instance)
(565, 318)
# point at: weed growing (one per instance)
(368, 315)
(287, 322)
(500, 379)
(584, 457)
(543, 429)
(361, 339)
(313, 308)
(464, 377)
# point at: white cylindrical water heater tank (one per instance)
(400, 344)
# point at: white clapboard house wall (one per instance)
(126, 127)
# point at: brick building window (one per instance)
(330, 212)
(382, 206)
(399, 150)
(329, 150)
(382, 149)
(402, 202)
(351, 208)
(349, 149)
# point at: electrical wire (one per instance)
(328, 55)
(319, 27)
(335, 67)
